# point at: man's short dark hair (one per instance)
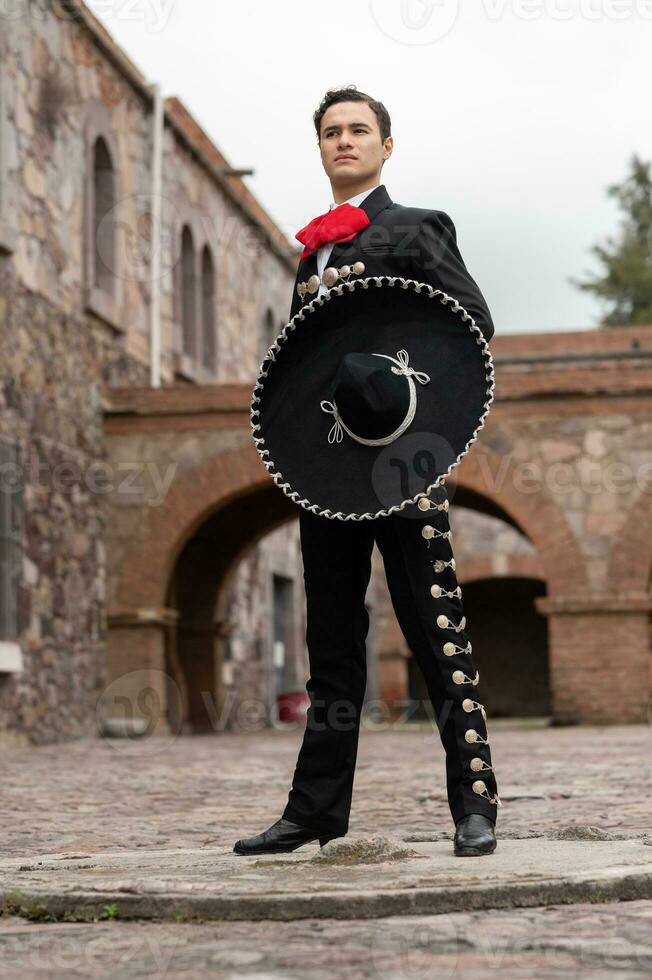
(351, 94)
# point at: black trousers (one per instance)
(419, 564)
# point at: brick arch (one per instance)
(145, 571)
(542, 521)
(630, 561)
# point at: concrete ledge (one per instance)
(216, 884)
(11, 658)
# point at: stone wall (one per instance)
(63, 82)
(51, 378)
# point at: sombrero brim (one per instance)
(347, 480)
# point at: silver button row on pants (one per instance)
(450, 649)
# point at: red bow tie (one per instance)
(339, 225)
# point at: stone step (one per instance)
(350, 878)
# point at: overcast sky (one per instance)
(512, 117)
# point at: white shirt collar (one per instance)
(355, 201)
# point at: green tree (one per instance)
(625, 285)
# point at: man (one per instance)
(380, 238)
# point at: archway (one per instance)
(177, 566)
(509, 633)
(197, 591)
(165, 625)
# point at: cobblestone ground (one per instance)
(596, 942)
(189, 791)
(104, 795)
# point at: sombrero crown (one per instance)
(407, 377)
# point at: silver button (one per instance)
(330, 276)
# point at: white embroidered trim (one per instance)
(401, 361)
(292, 324)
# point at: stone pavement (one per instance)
(591, 942)
(125, 828)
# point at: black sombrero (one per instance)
(370, 396)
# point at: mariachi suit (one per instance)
(419, 566)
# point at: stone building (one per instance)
(77, 236)
(147, 563)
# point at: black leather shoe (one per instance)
(284, 835)
(474, 834)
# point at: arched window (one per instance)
(208, 309)
(187, 285)
(103, 258)
(104, 200)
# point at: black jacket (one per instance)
(410, 242)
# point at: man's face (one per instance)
(350, 144)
